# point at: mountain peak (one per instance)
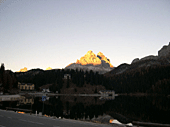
(102, 57)
(91, 58)
(99, 53)
(48, 68)
(23, 70)
(90, 53)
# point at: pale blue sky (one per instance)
(55, 33)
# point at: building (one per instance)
(67, 75)
(46, 90)
(26, 86)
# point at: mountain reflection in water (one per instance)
(154, 109)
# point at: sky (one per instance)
(55, 33)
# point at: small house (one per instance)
(46, 90)
(67, 75)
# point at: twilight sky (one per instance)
(55, 33)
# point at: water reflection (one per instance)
(26, 101)
(124, 108)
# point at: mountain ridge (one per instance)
(163, 58)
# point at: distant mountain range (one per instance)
(25, 69)
(100, 63)
(90, 61)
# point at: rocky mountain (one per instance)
(163, 58)
(148, 75)
(90, 61)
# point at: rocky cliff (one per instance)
(90, 61)
(163, 54)
(164, 51)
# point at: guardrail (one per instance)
(19, 109)
(11, 98)
(149, 124)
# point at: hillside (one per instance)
(150, 74)
(79, 82)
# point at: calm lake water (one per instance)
(124, 108)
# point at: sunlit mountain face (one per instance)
(91, 58)
(23, 70)
(48, 68)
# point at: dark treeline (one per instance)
(155, 79)
(56, 78)
(80, 78)
(8, 80)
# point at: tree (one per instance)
(68, 85)
(95, 90)
(2, 68)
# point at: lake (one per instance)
(154, 109)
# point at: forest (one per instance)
(56, 78)
(152, 79)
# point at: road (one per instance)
(13, 119)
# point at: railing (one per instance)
(11, 97)
(150, 124)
